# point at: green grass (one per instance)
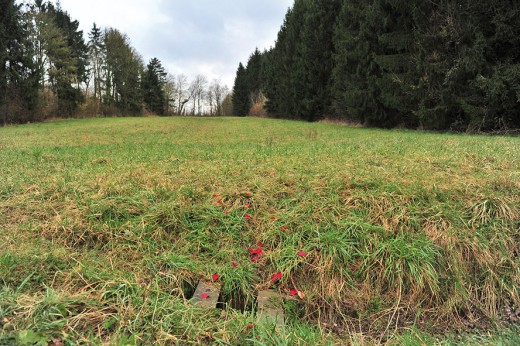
(108, 224)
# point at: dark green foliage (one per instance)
(18, 74)
(67, 53)
(97, 56)
(241, 100)
(417, 64)
(154, 80)
(123, 73)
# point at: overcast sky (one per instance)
(208, 37)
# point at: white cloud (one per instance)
(189, 36)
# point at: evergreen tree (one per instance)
(314, 59)
(355, 41)
(154, 80)
(18, 75)
(254, 76)
(241, 99)
(124, 68)
(97, 56)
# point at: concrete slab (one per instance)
(270, 307)
(212, 290)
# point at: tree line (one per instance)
(439, 64)
(49, 69)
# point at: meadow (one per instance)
(394, 237)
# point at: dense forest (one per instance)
(49, 69)
(440, 65)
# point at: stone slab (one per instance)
(270, 307)
(213, 292)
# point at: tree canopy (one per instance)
(442, 65)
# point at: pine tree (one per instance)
(254, 76)
(154, 80)
(314, 59)
(18, 74)
(241, 100)
(124, 68)
(97, 59)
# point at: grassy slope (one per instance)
(107, 223)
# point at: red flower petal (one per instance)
(248, 206)
(255, 259)
(301, 253)
(204, 296)
(247, 217)
(283, 228)
(226, 213)
(258, 251)
(219, 201)
(294, 292)
(276, 277)
(250, 326)
(273, 218)
(261, 244)
(215, 277)
(248, 194)
(214, 196)
(234, 265)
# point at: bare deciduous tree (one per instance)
(216, 93)
(197, 93)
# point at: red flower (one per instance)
(214, 196)
(276, 277)
(226, 213)
(273, 218)
(301, 253)
(248, 194)
(204, 296)
(215, 277)
(247, 217)
(283, 228)
(250, 326)
(219, 201)
(255, 259)
(294, 292)
(248, 206)
(234, 265)
(261, 244)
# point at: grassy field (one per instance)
(107, 225)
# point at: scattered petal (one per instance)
(250, 326)
(248, 194)
(214, 196)
(204, 296)
(283, 228)
(276, 277)
(294, 292)
(226, 213)
(273, 218)
(234, 265)
(248, 206)
(215, 277)
(261, 244)
(247, 217)
(255, 259)
(219, 201)
(302, 253)
(258, 251)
